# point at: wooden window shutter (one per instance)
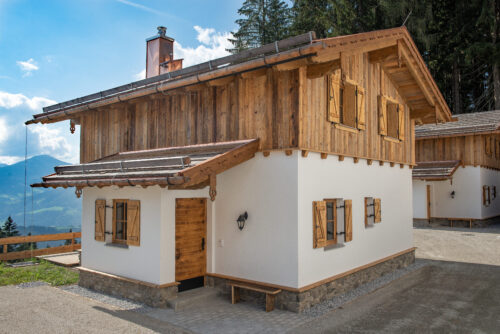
(377, 210)
(100, 219)
(401, 128)
(382, 115)
(333, 99)
(348, 220)
(319, 224)
(360, 105)
(133, 223)
(489, 195)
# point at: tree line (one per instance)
(458, 39)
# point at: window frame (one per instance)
(383, 116)
(115, 240)
(333, 241)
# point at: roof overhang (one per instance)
(179, 167)
(393, 48)
(435, 170)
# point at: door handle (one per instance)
(202, 243)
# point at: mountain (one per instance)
(51, 207)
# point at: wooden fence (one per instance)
(26, 254)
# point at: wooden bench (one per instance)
(270, 293)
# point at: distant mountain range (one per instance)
(54, 210)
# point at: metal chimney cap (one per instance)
(162, 31)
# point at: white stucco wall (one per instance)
(266, 249)
(143, 262)
(467, 202)
(419, 199)
(490, 177)
(330, 178)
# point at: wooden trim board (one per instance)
(129, 280)
(313, 285)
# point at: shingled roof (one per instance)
(473, 123)
(435, 170)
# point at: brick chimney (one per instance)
(160, 54)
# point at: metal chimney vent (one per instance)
(162, 31)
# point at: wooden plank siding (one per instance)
(317, 134)
(262, 107)
(469, 149)
(284, 109)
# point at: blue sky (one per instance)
(52, 51)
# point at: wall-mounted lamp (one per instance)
(241, 220)
(452, 194)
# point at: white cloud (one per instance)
(27, 66)
(52, 142)
(141, 75)
(10, 159)
(8, 101)
(4, 131)
(214, 45)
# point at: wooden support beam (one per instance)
(192, 88)
(324, 155)
(341, 158)
(292, 65)
(288, 152)
(369, 162)
(392, 164)
(221, 81)
(381, 163)
(319, 70)
(213, 184)
(72, 126)
(382, 55)
(305, 153)
(355, 159)
(401, 165)
(266, 153)
(254, 73)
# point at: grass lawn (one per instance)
(44, 271)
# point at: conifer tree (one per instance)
(312, 15)
(262, 22)
(10, 230)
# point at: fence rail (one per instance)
(5, 256)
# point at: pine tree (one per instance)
(312, 15)
(68, 241)
(262, 22)
(10, 230)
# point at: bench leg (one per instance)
(269, 302)
(235, 294)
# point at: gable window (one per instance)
(126, 222)
(331, 218)
(346, 102)
(391, 118)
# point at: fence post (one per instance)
(4, 249)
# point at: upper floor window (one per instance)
(391, 118)
(346, 102)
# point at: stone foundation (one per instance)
(445, 222)
(149, 294)
(298, 301)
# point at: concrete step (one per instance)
(192, 297)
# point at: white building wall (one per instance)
(266, 249)
(490, 177)
(142, 262)
(330, 178)
(419, 199)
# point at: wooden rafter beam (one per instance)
(292, 65)
(319, 70)
(221, 81)
(382, 55)
(254, 73)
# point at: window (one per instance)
(373, 212)
(326, 217)
(494, 192)
(126, 222)
(486, 196)
(391, 118)
(346, 102)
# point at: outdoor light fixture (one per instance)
(452, 194)
(241, 220)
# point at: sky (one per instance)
(56, 50)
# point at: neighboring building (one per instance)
(313, 139)
(457, 172)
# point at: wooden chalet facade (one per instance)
(303, 134)
(457, 170)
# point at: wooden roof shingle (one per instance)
(435, 170)
(473, 123)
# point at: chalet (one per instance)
(285, 169)
(457, 172)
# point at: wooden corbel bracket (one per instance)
(213, 187)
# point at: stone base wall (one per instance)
(120, 287)
(443, 222)
(300, 301)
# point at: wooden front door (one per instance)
(190, 238)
